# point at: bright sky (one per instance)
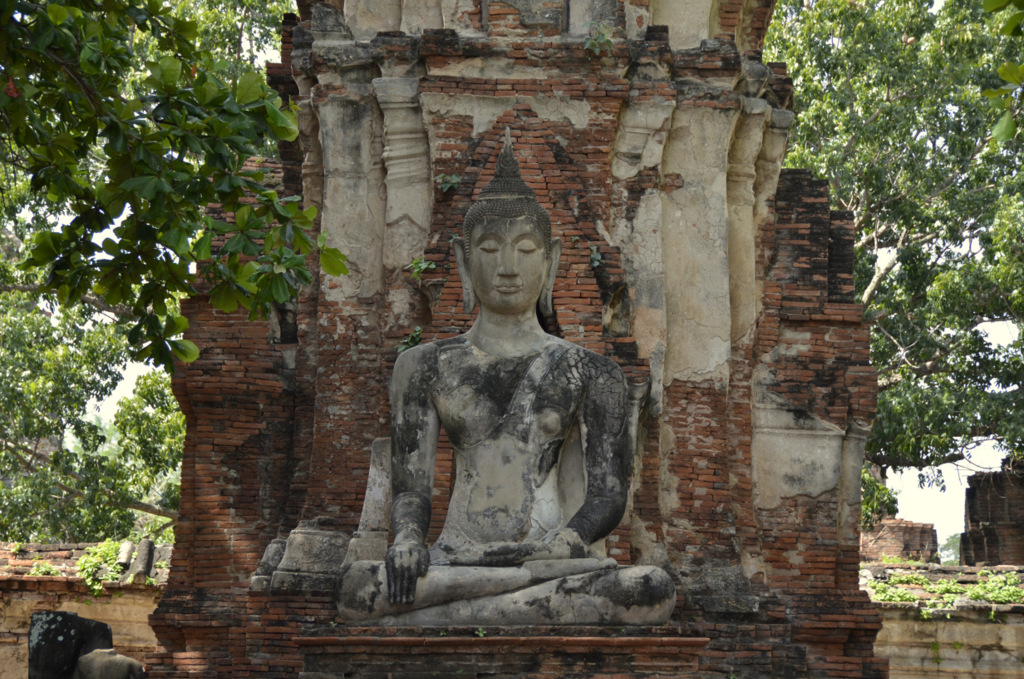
(943, 509)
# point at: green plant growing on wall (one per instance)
(600, 39)
(447, 182)
(946, 586)
(883, 592)
(596, 258)
(997, 589)
(44, 568)
(412, 340)
(418, 267)
(91, 566)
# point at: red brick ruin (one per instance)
(993, 518)
(899, 538)
(746, 484)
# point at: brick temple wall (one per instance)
(689, 257)
(994, 519)
(899, 538)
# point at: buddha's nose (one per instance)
(507, 264)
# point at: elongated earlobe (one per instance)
(468, 296)
(547, 303)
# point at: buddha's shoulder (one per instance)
(591, 363)
(425, 356)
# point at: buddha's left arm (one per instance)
(607, 447)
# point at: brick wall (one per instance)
(994, 519)
(899, 538)
(125, 607)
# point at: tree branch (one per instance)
(19, 450)
(119, 310)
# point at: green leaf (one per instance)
(242, 216)
(176, 239)
(175, 325)
(249, 88)
(144, 186)
(223, 298)
(279, 289)
(994, 5)
(282, 124)
(170, 71)
(202, 248)
(1012, 25)
(333, 262)
(184, 351)
(1005, 128)
(58, 13)
(1011, 73)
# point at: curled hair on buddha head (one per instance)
(506, 197)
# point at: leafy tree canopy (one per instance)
(66, 476)
(890, 110)
(128, 173)
(1009, 97)
(119, 121)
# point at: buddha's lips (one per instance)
(508, 289)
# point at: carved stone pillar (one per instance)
(743, 154)
(409, 193)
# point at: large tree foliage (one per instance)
(890, 109)
(133, 172)
(119, 121)
(1009, 97)
(64, 475)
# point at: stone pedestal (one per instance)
(498, 653)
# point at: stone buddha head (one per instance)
(507, 258)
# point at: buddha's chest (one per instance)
(480, 401)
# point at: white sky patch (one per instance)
(943, 509)
(107, 408)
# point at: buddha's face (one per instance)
(508, 264)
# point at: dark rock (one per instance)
(56, 639)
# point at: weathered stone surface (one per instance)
(142, 564)
(542, 439)
(107, 664)
(312, 560)
(979, 641)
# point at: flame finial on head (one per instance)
(507, 183)
(507, 196)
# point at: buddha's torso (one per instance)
(508, 420)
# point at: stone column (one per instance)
(695, 236)
(743, 154)
(409, 190)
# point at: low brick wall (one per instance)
(125, 607)
(975, 641)
(501, 652)
(955, 637)
(899, 538)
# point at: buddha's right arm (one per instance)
(407, 559)
(414, 430)
(414, 422)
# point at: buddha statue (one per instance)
(542, 452)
